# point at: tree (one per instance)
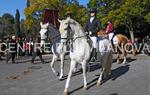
(28, 3)
(6, 25)
(17, 23)
(38, 6)
(7, 19)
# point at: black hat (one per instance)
(69, 14)
(93, 10)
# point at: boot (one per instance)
(13, 62)
(33, 62)
(93, 59)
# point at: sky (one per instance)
(10, 6)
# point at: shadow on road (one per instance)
(129, 59)
(74, 74)
(116, 73)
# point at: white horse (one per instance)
(80, 50)
(58, 49)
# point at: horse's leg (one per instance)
(118, 55)
(52, 64)
(61, 66)
(84, 74)
(109, 63)
(133, 52)
(124, 54)
(99, 81)
(103, 61)
(72, 66)
(75, 69)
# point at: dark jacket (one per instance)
(37, 41)
(93, 27)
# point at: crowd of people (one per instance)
(12, 47)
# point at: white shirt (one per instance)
(91, 19)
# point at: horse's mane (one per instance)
(53, 33)
(51, 25)
(77, 25)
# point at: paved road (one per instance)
(25, 78)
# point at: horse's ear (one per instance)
(68, 18)
(41, 23)
(59, 20)
(47, 24)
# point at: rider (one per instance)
(69, 14)
(109, 30)
(92, 27)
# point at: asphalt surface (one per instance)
(25, 78)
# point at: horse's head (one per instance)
(43, 32)
(65, 29)
(68, 28)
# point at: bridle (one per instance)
(47, 33)
(70, 34)
(70, 39)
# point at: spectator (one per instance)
(12, 46)
(37, 51)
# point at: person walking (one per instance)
(37, 50)
(92, 26)
(12, 50)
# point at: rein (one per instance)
(73, 39)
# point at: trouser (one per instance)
(110, 35)
(94, 41)
(37, 54)
(95, 45)
(11, 56)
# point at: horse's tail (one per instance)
(122, 38)
(108, 65)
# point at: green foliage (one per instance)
(7, 19)
(28, 3)
(135, 13)
(17, 23)
(79, 12)
(6, 25)
(122, 11)
(147, 17)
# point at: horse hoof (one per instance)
(124, 62)
(57, 73)
(98, 83)
(118, 62)
(84, 88)
(60, 79)
(66, 93)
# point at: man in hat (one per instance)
(12, 50)
(92, 27)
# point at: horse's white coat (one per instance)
(115, 40)
(81, 50)
(58, 50)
